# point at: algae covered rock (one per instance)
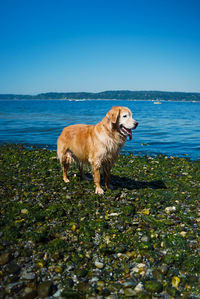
(153, 286)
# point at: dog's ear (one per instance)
(113, 114)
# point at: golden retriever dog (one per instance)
(98, 144)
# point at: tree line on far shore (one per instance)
(111, 95)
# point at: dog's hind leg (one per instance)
(65, 165)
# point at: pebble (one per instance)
(140, 268)
(139, 287)
(13, 268)
(31, 295)
(129, 284)
(183, 233)
(129, 292)
(145, 239)
(28, 276)
(58, 269)
(5, 258)
(57, 294)
(14, 287)
(100, 284)
(168, 210)
(99, 265)
(94, 279)
(24, 211)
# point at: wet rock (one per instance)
(83, 287)
(163, 269)
(153, 286)
(13, 268)
(44, 289)
(100, 285)
(173, 292)
(29, 294)
(168, 210)
(139, 287)
(69, 293)
(112, 296)
(127, 284)
(69, 282)
(28, 275)
(5, 258)
(145, 239)
(14, 287)
(139, 268)
(2, 294)
(129, 292)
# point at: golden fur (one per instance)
(97, 144)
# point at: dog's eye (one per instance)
(125, 116)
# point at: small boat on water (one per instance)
(157, 102)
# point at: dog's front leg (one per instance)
(97, 178)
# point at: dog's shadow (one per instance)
(131, 184)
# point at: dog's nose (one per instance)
(136, 124)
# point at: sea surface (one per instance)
(170, 128)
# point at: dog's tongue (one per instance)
(129, 134)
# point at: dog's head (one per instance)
(122, 120)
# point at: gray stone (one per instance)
(28, 276)
(14, 287)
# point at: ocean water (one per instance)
(172, 128)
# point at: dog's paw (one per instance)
(99, 191)
(66, 180)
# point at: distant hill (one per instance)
(111, 95)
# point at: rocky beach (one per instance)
(57, 240)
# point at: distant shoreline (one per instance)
(84, 100)
(110, 95)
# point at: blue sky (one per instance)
(97, 45)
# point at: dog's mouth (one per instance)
(126, 132)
